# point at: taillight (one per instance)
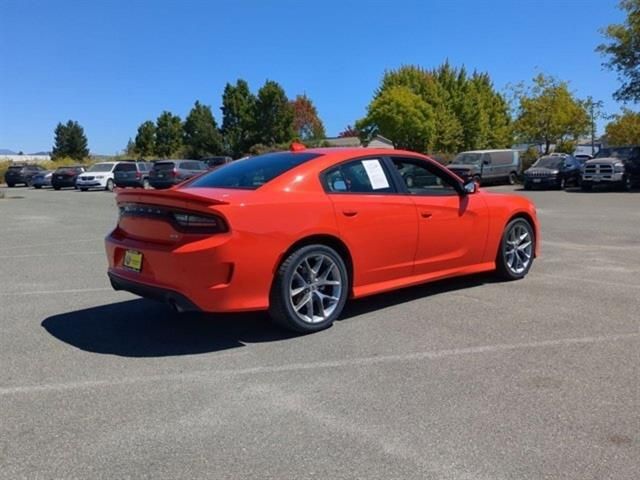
(188, 222)
(199, 223)
(174, 173)
(138, 175)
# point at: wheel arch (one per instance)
(321, 239)
(525, 216)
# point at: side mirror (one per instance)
(470, 187)
(486, 161)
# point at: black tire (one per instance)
(281, 307)
(586, 187)
(627, 184)
(84, 189)
(37, 187)
(513, 178)
(56, 188)
(502, 268)
(109, 187)
(11, 185)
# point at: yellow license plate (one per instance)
(133, 260)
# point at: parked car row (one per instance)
(107, 175)
(617, 167)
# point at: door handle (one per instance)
(350, 213)
(426, 214)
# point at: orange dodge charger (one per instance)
(299, 232)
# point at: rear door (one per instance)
(378, 224)
(452, 229)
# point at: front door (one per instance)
(452, 227)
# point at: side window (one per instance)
(359, 176)
(421, 178)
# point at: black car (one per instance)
(132, 174)
(215, 162)
(21, 174)
(66, 176)
(553, 171)
(167, 173)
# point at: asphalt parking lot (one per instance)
(463, 379)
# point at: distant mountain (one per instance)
(41, 153)
(6, 151)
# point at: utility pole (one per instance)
(595, 112)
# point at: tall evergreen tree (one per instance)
(273, 115)
(145, 142)
(169, 135)
(70, 141)
(238, 125)
(201, 136)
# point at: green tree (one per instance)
(624, 51)
(70, 141)
(549, 113)
(403, 117)
(273, 115)
(624, 129)
(468, 112)
(130, 149)
(168, 135)
(201, 135)
(238, 123)
(145, 142)
(306, 122)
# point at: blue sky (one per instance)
(111, 64)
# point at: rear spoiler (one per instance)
(149, 195)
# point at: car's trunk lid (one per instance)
(148, 214)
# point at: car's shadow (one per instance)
(144, 328)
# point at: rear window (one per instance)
(252, 173)
(193, 166)
(163, 166)
(125, 167)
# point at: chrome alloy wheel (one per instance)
(315, 288)
(519, 248)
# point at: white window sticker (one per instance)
(376, 174)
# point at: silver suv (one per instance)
(613, 166)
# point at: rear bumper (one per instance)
(170, 297)
(212, 273)
(162, 184)
(63, 184)
(129, 183)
